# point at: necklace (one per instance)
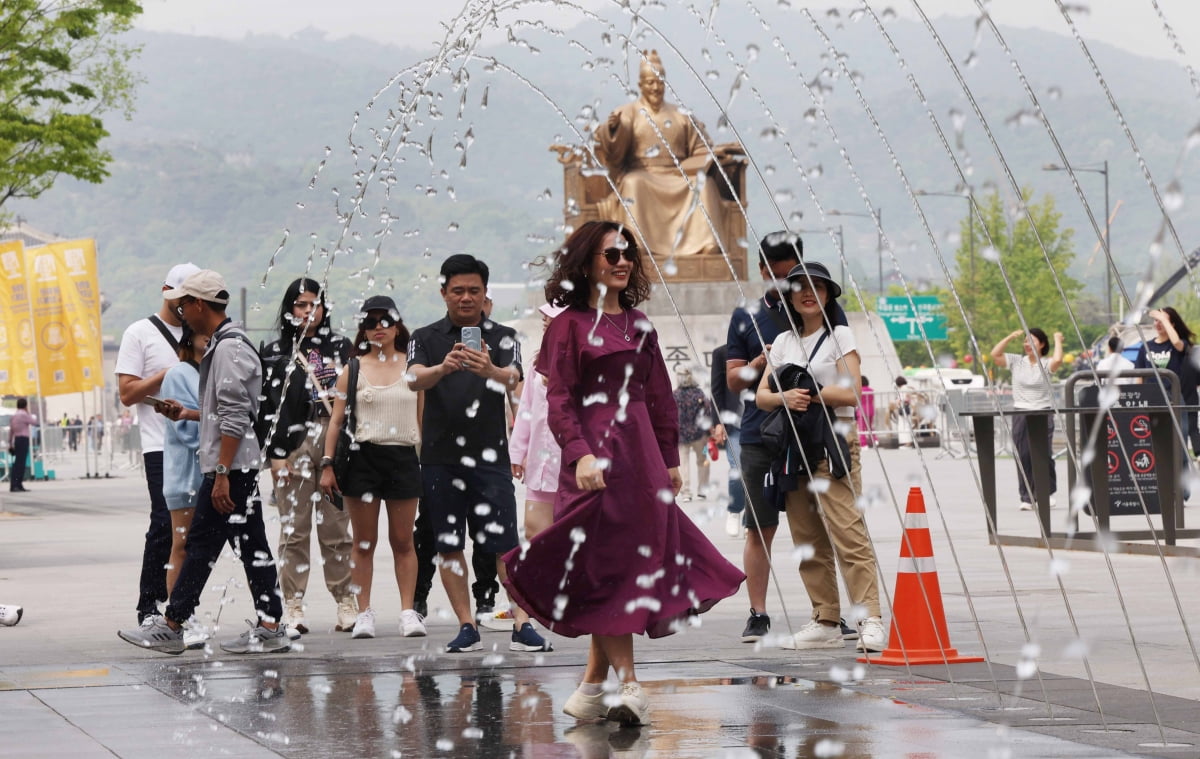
(624, 330)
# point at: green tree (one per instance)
(1010, 255)
(62, 66)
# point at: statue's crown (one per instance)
(651, 65)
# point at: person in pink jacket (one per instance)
(534, 453)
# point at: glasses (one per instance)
(371, 322)
(613, 255)
(186, 300)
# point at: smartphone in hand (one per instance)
(150, 400)
(472, 337)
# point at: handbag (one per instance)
(345, 443)
(776, 429)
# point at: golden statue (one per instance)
(673, 212)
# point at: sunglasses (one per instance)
(613, 255)
(371, 322)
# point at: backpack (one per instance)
(262, 423)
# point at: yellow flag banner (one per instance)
(18, 368)
(66, 315)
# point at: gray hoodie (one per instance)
(230, 386)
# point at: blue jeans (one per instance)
(733, 452)
(152, 587)
(243, 530)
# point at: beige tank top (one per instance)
(386, 415)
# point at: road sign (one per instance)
(905, 319)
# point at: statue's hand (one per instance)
(614, 121)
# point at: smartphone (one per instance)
(472, 337)
(150, 400)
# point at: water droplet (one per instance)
(1173, 196)
(989, 253)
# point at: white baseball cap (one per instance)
(180, 272)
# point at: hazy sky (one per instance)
(1131, 24)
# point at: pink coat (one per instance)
(532, 444)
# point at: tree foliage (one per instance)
(62, 66)
(1009, 275)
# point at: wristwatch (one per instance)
(222, 470)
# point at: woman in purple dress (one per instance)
(620, 560)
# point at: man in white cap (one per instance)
(150, 347)
(226, 509)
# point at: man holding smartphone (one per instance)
(465, 363)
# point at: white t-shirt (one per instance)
(145, 352)
(1116, 361)
(1030, 389)
(790, 348)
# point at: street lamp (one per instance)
(1108, 261)
(841, 245)
(969, 195)
(877, 215)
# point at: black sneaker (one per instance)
(848, 632)
(757, 626)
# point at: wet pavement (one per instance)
(68, 687)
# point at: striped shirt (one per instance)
(1029, 386)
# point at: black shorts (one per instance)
(480, 498)
(756, 463)
(383, 473)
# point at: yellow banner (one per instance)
(66, 315)
(18, 368)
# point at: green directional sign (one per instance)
(906, 318)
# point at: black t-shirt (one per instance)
(464, 420)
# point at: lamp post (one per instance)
(877, 216)
(841, 245)
(969, 195)
(1108, 261)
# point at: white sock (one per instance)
(591, 689)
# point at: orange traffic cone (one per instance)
(918, 634)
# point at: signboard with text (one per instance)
(1125, 443)
(907, 317)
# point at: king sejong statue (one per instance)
(639, 145)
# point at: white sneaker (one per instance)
(293, 618)
(634, 708)
(733, 524)
(411, 624)
(195, 635)
(347, 615)
(499, 621)
(364, 625)
(871, 635)
(816, 635)
(1026, 506)
(582, 706)
(10, 615)
(1053, 502)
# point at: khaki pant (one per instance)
(296, 507)
(840, 537)
(700, 448)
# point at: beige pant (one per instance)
(840, 537)
(296, 508)
(699, 447)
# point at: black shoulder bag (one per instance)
(776, 430)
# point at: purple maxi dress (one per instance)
(625, 559)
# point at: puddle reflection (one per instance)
(515, 713)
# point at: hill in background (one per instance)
(216, 164)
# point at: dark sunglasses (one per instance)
(613, 255)
(371, 322)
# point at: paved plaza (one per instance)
(1063, 676)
